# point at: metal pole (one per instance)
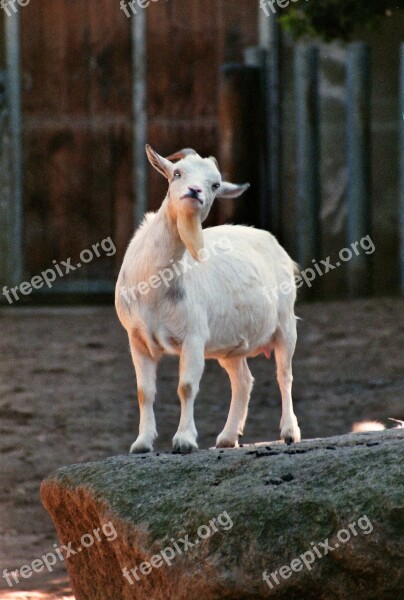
(139, 82)
(11, 213)
(401, 167)
(359, 160)
(308, 153)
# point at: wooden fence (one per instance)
(308, 154)
(82, 88)
(94, 86)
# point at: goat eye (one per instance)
(177, 175)
(215, 186)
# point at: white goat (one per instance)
(235, 304)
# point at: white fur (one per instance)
(217, 308)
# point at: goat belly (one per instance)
(227, 350)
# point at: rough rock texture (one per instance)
(280, 500)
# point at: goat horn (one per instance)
(182, 154)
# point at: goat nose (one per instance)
(195, 188)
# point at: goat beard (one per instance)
(190, 230)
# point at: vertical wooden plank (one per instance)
(256, 56)
(139, 100)
(274, 124)
(11, 213)
(182, 94)
(270, 38)
(5, 191)
(77, 134)
(401, 166)
(358, 98)
(240, 127)
(308, 153)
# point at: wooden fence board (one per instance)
(77, 131)
(77, 107)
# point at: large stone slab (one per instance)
(324, 519)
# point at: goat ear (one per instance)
(215, 162)
(162, 165)
(231, 190)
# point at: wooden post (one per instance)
(255, 56)
(401, 166)
(270, 38)
(275, 124)
(139, 102)
(11, 179)
(240, 131)
(308, 153)
(358, 158)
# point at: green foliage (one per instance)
(330, 19)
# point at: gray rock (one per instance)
(282, 503)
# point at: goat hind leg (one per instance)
(284, 350)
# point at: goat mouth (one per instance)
(191, 197)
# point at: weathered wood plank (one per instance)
(77, 117)
(358, 86)
(11, 181)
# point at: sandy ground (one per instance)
(67, 395)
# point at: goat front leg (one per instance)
(192, 363)
(146, 370)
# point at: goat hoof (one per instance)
(183, 444)
(226, 442)
(140, 448)
(291, 434)
(184, 448)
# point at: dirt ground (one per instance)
(67, 395)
